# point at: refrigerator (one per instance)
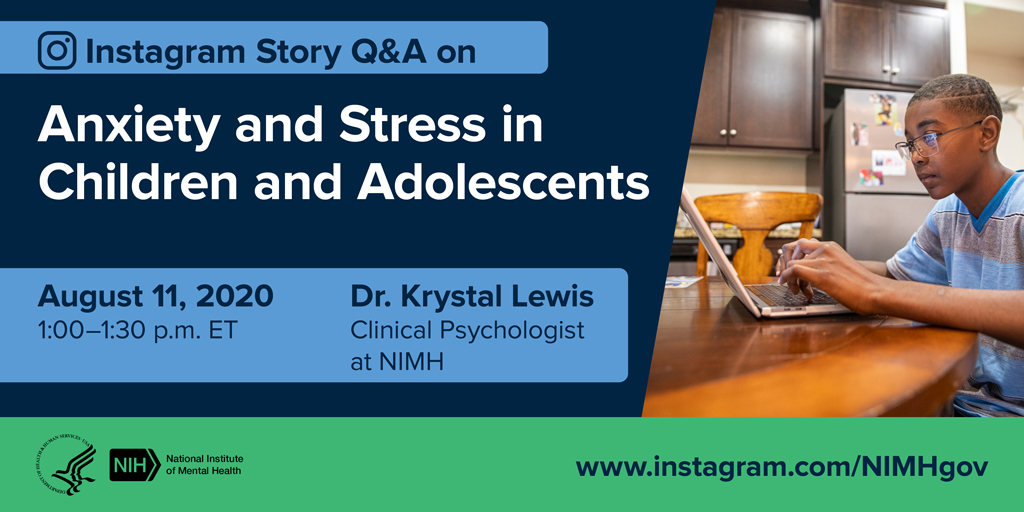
(873, 199)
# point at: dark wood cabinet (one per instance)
(710, 125)
(771, 87)
(920, 44)
(757, 88)
(886, 42)
(857, 45)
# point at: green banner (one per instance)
(502, 463)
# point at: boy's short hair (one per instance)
(965, 95)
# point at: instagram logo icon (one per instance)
(57, 50)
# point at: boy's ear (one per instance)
(990, 128)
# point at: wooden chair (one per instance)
(755, 214)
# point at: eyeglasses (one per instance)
(927, 144)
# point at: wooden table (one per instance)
(713, 358)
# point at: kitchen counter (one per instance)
(735, 233)
(684, 247)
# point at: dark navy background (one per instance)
(620, 89)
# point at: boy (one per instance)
(964, 268)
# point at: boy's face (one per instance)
(949, 170)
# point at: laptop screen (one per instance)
(715, 250)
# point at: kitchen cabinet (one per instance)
(713, 104)
(757, 89)
(920, 44)
(885, 42)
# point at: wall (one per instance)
(957, 36)
(725, 173)
(1005, 71)
(994, 51)
(1005, 74)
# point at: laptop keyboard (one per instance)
(779, 295)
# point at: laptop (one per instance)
(762, 300)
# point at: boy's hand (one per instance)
(827, 266)
(794, 251)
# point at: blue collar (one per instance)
(979, 222)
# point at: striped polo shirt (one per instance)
(953, 248)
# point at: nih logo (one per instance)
(133, 465)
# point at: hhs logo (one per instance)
(133, 465)
(57, 50)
